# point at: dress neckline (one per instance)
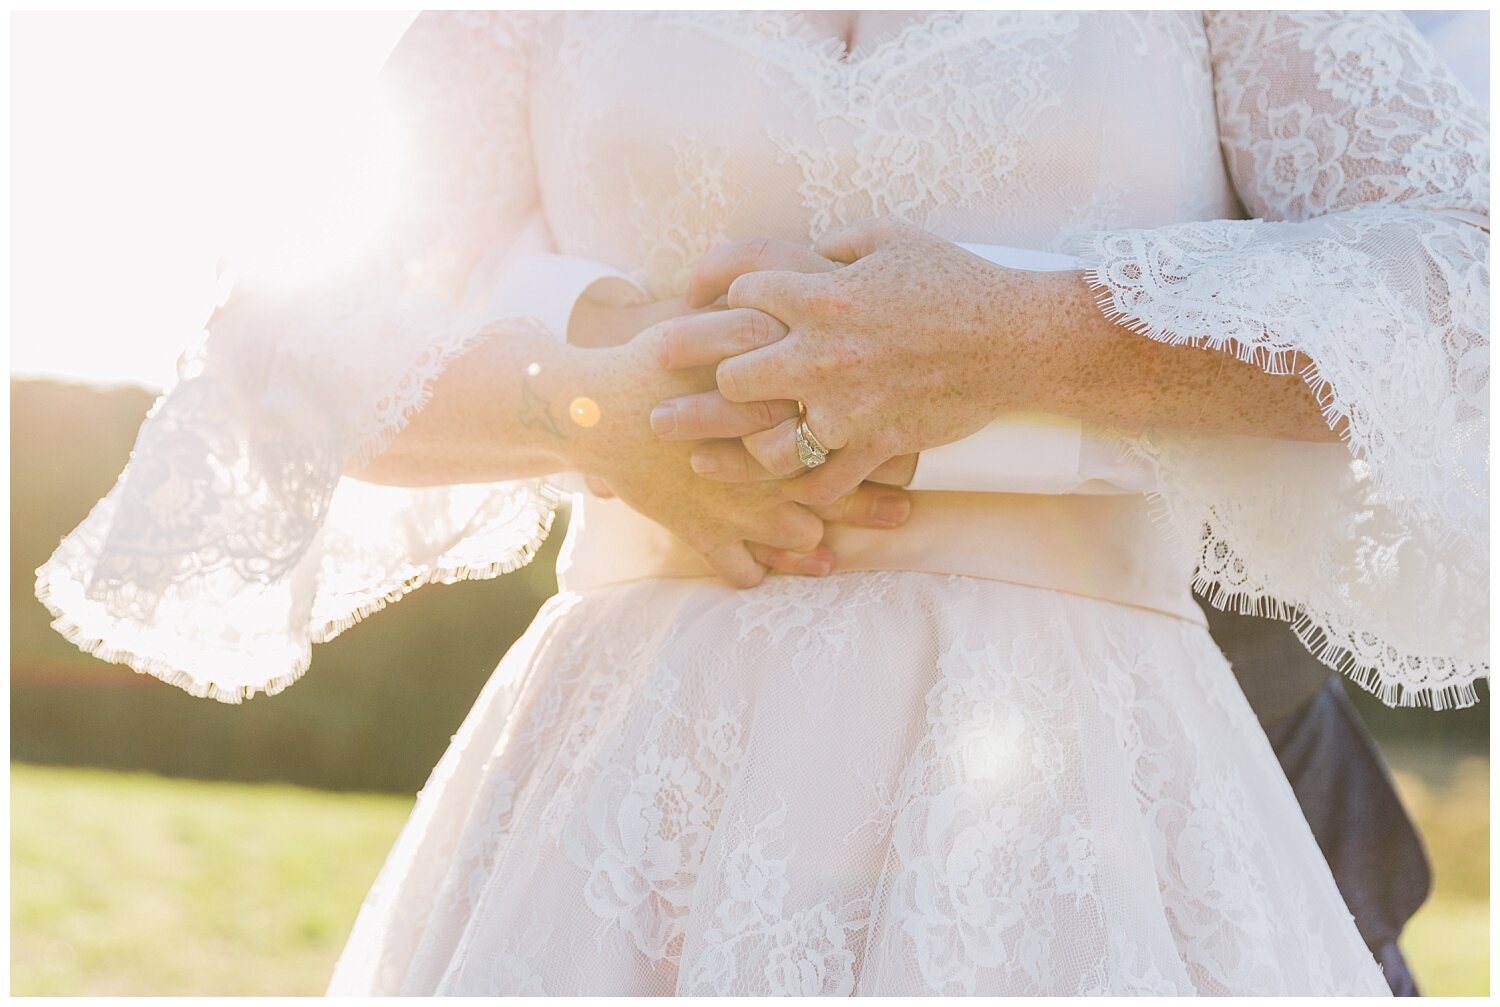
(835, 49)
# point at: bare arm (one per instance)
(516, 407)
(488, 418)
(1096, 369)
(1362, 281)
(918, 343)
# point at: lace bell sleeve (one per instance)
(1366, 270)
(232, 542)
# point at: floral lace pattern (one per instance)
(894, 783)
(1074, 798)
(1356, 145)
(960, 139)
(642, 829)
(232, 544)
(680, 228)
(758, 939)
(812, 618)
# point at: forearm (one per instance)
(519, 406)
(1098, 370)
(498, 412)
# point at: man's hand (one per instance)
(893, 353)
(600, 325)
(740, 530)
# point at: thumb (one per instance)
(859, 239)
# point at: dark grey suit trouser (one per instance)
(1340, 780)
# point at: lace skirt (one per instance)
(877, 783)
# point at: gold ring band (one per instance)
(810, 450)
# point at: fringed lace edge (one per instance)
(1282, 362)
(95, 640)
(1273, 361)
(378, 598)
(1314, 634)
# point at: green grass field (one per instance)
(127, 884)
(1448, 941)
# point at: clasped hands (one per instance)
(883, 330)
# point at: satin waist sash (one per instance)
(1104, 547)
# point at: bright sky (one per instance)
(141, 146)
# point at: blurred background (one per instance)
(165, 845)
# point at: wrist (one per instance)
(1038, 339)
(598, 407)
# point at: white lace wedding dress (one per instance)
(998, 753)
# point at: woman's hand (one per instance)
(740, 437)
(891, 354)
(708, 415)
(918, 343)
(504, 411)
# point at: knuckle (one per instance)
(756, 331)
(693, 421)
(774, 459)
(814, 531)
(741, 289)
(805, 539)
(801, 531)
(831, 431)
(670, 344)
(727, 380)
(762, 412)
(757, 449)
(740, 575)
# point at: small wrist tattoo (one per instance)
(536, 412)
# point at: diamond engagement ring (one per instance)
(810, 450)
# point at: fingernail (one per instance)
(664, 418)
(891, 509)
(704, 465)
(815, 566)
